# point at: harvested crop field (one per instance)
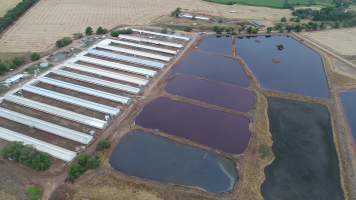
(341, 41)
(5, 5)
(50, 20)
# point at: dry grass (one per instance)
(6, 5)
(341, 41)
(50, 20)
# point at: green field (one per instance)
(275, 3)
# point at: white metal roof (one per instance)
(85, 90)
(162, 34)
(135, 52)
(96, 81)
(66, 114)
(134, 60)
(152, 48)
(119, 66)
(71, 100)
(53, 150)
(46, 126)
(156, 42)
(109, 74)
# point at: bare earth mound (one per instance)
(50, 20)
(341, 41)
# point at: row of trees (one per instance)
(331, 16)
(7, 65)
(13, 14)
(26, 155)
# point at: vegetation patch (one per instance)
(81, 165)
(26, 155)
(34, 192)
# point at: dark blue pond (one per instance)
(348, 101)
(306, 163)
(213, 67)
(294, 68)
(218, 45)
(153, 157)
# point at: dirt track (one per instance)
(50, 20)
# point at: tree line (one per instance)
(13, 14)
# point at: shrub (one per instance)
(176, 12)
(81, 165)
(103, 144)
(119, 32)
(89, 31)
(101, 31)
(35, 56)
(63, 42)
(34, 193)
(26, 155)
(17, 61)
(187, 29)
(77, 35)
(164, 30)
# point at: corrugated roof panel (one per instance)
(96, 81)
(71, 100)
(119, 66)
(85, 90)
(53, 150)
(152, 48)
(108, 74)
(156, 42)
(66, 114)
(46, 126)
(123, 58)
(162, 34)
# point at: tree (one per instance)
(103, 144)
(34, 192)
(26, 155)
(63, 42)
(101, 31)
(164, 30)
(176, 12)
(35, 56)
(81, 165)
(89, 31)
(17, 61)
(280, 47)
(77, 35)
(269, 29)
(188, 29)
(283, 19)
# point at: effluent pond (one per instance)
(217, 45)
(306, 163)
(153, 157)
(212, 67)
(216, 129)
(348, 100)
(215, 93)
(281, 63)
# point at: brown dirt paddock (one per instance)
(341, 41)
(50, 20)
